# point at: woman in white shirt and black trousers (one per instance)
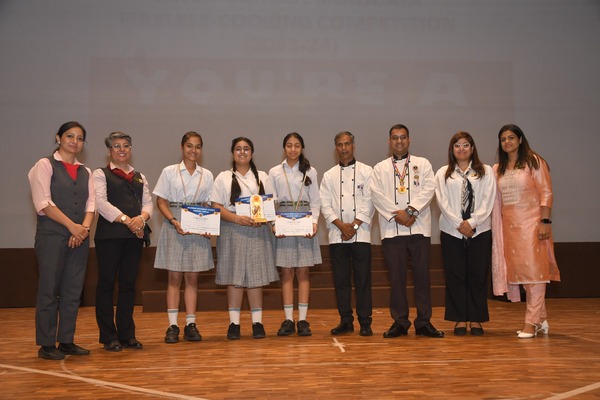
(465, 190)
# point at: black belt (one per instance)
(180, 204)
(292, 203)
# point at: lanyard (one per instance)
(185, 192)
(297, 202)
(243, 181)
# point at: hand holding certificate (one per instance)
(201, 220)
(293, 223)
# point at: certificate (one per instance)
(201, 220)
(260, 207)
(294, 223)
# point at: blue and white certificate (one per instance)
(294, 223)
(201, 220)
(261, 208)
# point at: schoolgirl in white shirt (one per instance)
(295, 183)
(245, 257)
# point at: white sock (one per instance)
(288, 310)
(172, 313)
(190, 319)
(256, 315)
(302, 311)
(234, 315)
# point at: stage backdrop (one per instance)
(263, 68)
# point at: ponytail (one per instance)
(304, 167)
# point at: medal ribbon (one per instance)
(404, 170)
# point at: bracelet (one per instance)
(172, 219)
(87, 228)
(545, 221)
(143, 221)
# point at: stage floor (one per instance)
(564, 364)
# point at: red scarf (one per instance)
(71, 169)
(119, 172)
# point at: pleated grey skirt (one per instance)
(296, 251)
(182, 253)
(245, 256)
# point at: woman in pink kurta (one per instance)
(523, 250)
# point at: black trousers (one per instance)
(348, 260)
(396, 252)
(117, 259)
(62, 273)
(467, 264)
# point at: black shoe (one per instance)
(132, 343)
(343, 327)
(460, 330)
(365, 330)
(258, 331)
(395, 330)
(72, 349)
(172, 335)
(304, 328)
(429, 331)
(233, 332)
(113, 346)
(190, 332)
(50, 353)
(287, 328)
(476, 330)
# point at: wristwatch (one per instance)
(123, 218)
(411, 212)
(355, 226)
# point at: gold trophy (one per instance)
(256, 208)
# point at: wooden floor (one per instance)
(565, 364)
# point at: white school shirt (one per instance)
(170, 188)
(310, 193)
(345, 195)
(420, 184)
(448, 195)
(221, 190)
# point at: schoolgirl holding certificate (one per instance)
(296, 187)
(183, 254)
(245, 258)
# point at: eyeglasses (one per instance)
(399, 137)
(119, 146)
(463, 145)
(242, 149)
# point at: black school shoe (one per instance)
(287, 328)
(233, 332)
(191, 333)
(172, 335)
(258, 331)
(304, 328)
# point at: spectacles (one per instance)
(399, 137)
(242, 149)
(463, 145)
(119, 146)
